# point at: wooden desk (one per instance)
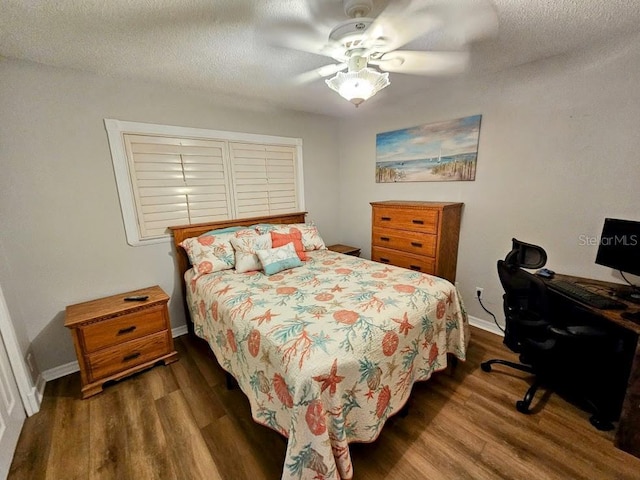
(628, 434)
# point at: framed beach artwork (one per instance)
(436, 152)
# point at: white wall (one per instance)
(558, 153)
(62, 238)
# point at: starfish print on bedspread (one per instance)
(330, 380)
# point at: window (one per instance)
(176, 176)
(177, 181)
(264, 179)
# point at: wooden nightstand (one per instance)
(346, 249)
(114, 338)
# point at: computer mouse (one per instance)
(545, 273)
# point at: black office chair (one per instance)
(549, 349)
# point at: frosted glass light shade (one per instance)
(358, 86)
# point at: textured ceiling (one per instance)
(227, 46)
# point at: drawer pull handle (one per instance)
(384, 260)
(131, 356)
(418, 222)
(416, 244)
(385, 219)
(416, 268)
(385, 239)
(130, 329)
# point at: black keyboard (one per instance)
(585, 296)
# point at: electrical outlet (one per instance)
(479, 291)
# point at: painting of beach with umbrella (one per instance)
(437, 152)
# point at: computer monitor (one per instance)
(619, 246)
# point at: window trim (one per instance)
(115, 134)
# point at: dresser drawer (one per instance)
(123, 328)
(416, 220)
(410, 242)
(405, 260)
(121, 357)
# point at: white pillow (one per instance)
(275, 260)
(209, 254)
(245, 248)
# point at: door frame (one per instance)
(30, 395)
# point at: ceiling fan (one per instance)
(366, 47)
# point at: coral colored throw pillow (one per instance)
(295, 237)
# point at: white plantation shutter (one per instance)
(168, 175)
(264, 179)
(177, 181)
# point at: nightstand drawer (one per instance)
(411, 219)
(405, 260)
(121, 357)
(410, 242)
(121, 329)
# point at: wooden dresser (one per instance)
(421, 236)
(114, 338)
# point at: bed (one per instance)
(325, 352)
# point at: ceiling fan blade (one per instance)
(461, 21)
(325, 13)
(293, 35)
(398, 24)
(423, 63)
(297, 35)
(470, 22)
(318, 73)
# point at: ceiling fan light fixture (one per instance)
(358, 86)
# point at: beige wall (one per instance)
(62, 238)
(559, 152)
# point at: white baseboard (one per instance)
(73, 367)
(485, 325)
(179, 331)
(60, 371)
(34, 397)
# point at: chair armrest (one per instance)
(537, 325)
(577, 331)
(586, 331)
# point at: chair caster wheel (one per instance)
(600, 424)
(522, 407)
(486, 367)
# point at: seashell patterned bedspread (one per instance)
(327, 352)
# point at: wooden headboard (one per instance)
(182, 232)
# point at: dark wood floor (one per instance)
(180, 422)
